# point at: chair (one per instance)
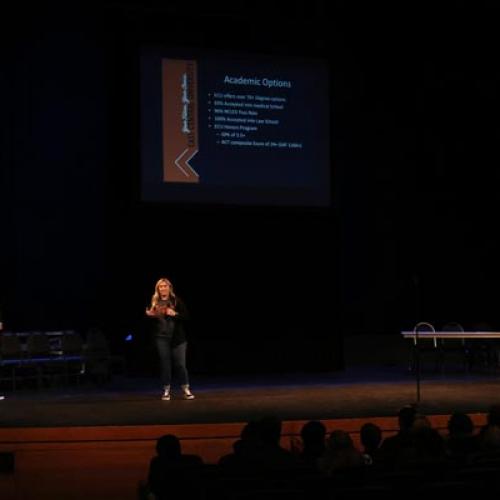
(423, 346)
(457, 346)
(484, 354)
(39, 355)
(11, 355)
(97, 356)
(72, 355)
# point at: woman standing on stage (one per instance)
(169, 313)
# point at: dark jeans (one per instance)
(172, 355)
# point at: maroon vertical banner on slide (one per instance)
(180, 119)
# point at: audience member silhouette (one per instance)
(393, 446)
(428, 444)
(489, 436)
(340, 454)
(244, 449)
(271, 455)
(371, 437)
(313, 435)
(172, 473)
(461, 443)
(259, 450)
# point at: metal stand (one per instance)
(417, 365)
(416, 331)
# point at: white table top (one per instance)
(450, 335)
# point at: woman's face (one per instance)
(164, 288)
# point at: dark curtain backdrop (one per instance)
(410, 235)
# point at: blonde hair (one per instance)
(156, 296)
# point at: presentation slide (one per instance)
(234, 129)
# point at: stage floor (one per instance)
(357, 392)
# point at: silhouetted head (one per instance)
(428, 442)
(270, 430)
(406, 417)
(460, 424)
(494, 415)
(491, 438)
(250, 431)
(419, 422)
(340, 440)
(313, 433)
(168, 447)
(371, 436)
(249, 437)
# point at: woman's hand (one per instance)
(161, 311)
(150, 312)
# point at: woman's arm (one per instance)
(152, 312)
(180, 311)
